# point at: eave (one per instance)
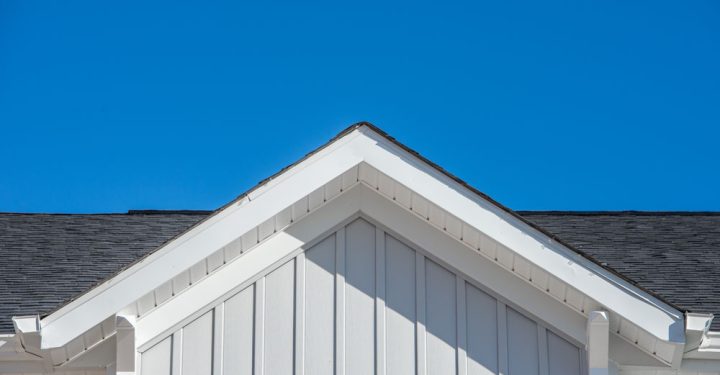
(363, 154)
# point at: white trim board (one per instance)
(362, 201)
(457, 207)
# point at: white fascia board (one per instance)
(234, 276)
(635, 305)
(360, 201)
(201, 241)
(361, 145)
(484, 274)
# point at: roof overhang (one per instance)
(364, 154)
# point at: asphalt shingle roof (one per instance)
(674, 254)
(46, 260)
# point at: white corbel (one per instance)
(125, 349)
(598, 342)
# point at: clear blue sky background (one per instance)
(605, 105)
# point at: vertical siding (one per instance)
(319, 313)
(238, 333)
(563, 357)
(197, 346)
(362, 302)
(399, 307)
(523, 356)
(440, 319)
(279, 321)
(482, 332)
(156, 360)
(360, 298)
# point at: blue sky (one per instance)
(573, 105)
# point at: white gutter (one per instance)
(701, 342)
(27, 330)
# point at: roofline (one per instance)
(435, 166)
(366, 145)
(514, 214)
(211, 214)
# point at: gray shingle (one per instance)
(46, 260)
(674, 254)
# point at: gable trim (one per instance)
(365, 148)
(371, 205)
(258, 206)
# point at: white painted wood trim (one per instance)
(407, 224)
(365, 147)
(461, 325)
(598, 341)
(218, 328)
(381, 338)
(487, 275)
(201, 241)
(300, 314)
(240, 273)
(340, 302)
(421, 335)
(636, 305)
(259, 363)
(503, 365)
(543, 362)
(455, 255)
(125, 351)
(177, 352)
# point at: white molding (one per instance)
(200, 242)
(461, 311)
(125, 348)
(420, 309)
(340, 301)
(598, 341)
(259, 365)
(666, 351)
(403, 224)
(640, 318)
(635, 305)
(380, 289)
(483, 273)
(300, 314)
(237, 274)
(177, 352)
(217, 338)
(503, 365)
(543, 361)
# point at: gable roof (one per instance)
(365, 155)
(49, 259)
